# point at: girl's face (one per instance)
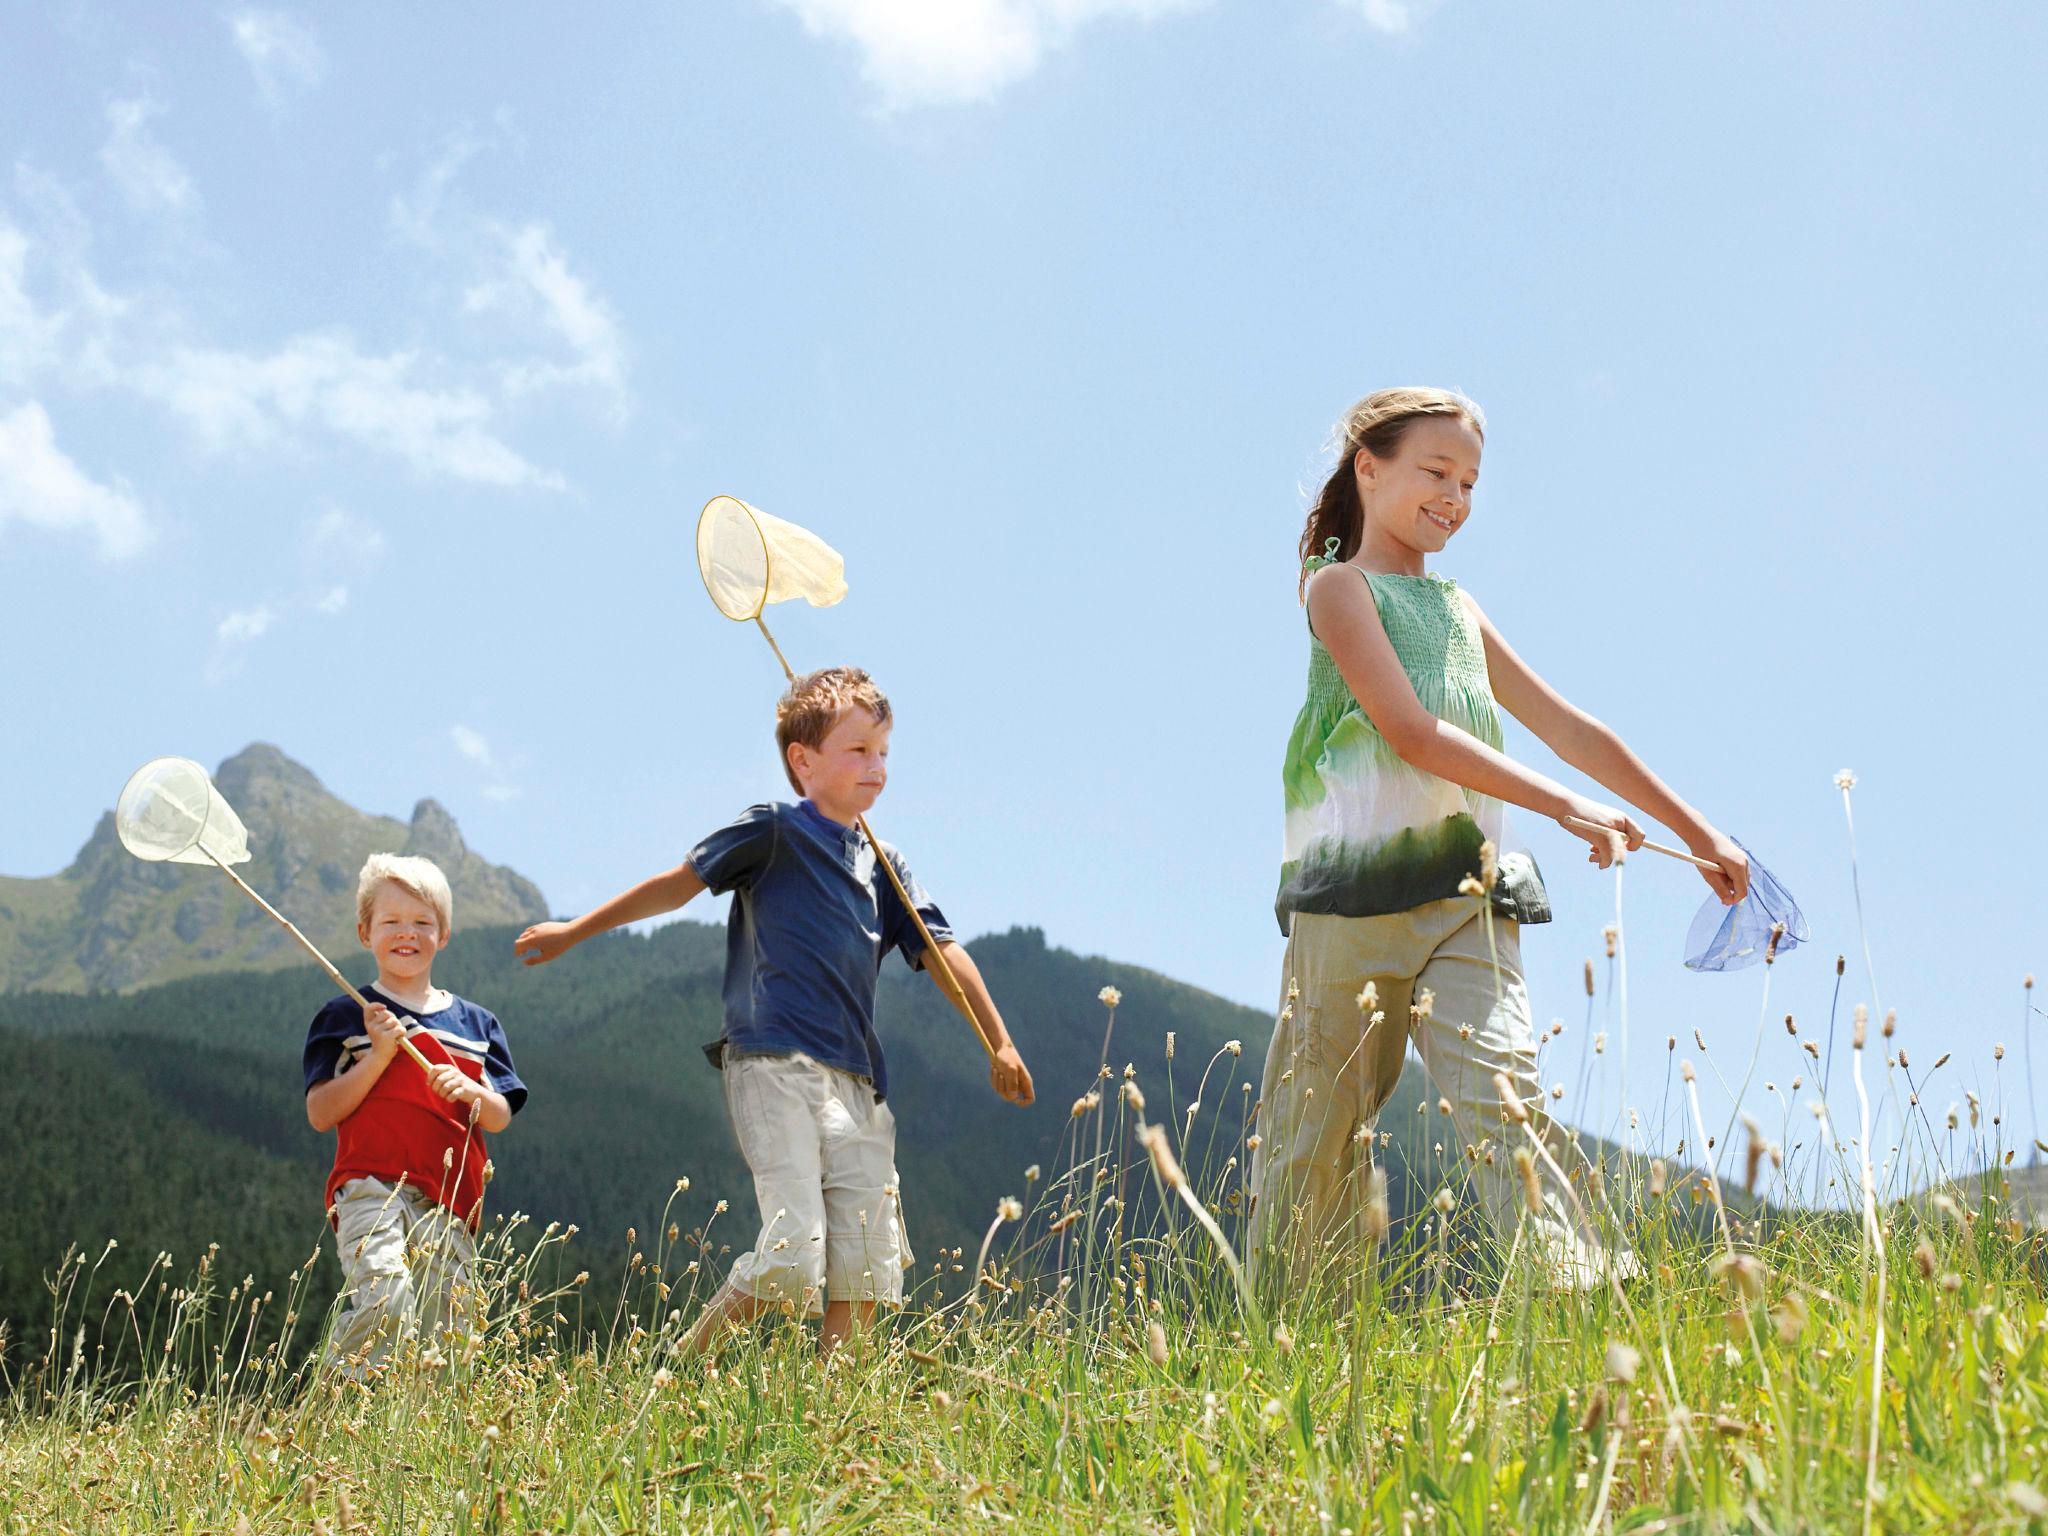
(1422, 494)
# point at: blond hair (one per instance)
(814, 704)
(417, 877)
(1377, 424)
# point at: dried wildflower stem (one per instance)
(989, 1378)
(1607, 1269)
(1692, 1089)
(1166, 1167)
(1598, 1522)
(1876, 1238)
(1621, 986)
(1763, 1019)
(1846, 781)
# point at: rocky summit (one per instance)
(113, 922)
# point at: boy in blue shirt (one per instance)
(805, 1081)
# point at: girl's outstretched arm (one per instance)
(1595, 750)
(1343, 617)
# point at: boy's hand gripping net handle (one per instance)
(339, 980)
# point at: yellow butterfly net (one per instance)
(749, 560)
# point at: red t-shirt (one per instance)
(403, 1131)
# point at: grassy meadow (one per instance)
(1818, 1341)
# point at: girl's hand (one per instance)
(1008, 1075)
(385, 1032)
(543, 942)
(1731, 881)
(451, 1084)
(1609, 832)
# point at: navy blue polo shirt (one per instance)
(812, 918)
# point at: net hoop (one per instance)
(748, 559)
(171, 813)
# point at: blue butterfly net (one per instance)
(1733, 938)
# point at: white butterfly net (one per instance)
(169, 811)
(749, 560)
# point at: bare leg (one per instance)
(728, 1308)
(839, 1322)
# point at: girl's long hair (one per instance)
(1377, 424)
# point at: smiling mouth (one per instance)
(1442, 522)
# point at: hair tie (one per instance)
(1315, 563)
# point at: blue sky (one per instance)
(362, 370)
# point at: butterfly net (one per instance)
(170, 811)
(749, 560)
(1731, 938)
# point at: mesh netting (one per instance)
(749, 560)
(1730, 938)
(170, 811)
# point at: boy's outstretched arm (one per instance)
(1007, 1073)
(650, 898)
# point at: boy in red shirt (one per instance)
(406, 1193)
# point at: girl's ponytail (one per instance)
(1377, 424)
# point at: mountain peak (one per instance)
(260, 763)
(113, 921)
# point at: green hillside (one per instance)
(171, 1117)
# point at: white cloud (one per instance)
(332, 601)
(283, 54)
(148, 175)
(941, 52)
(42, 487)
(245, 625)
(323, 381)
(1392, 17)
(28, 337)
(536, 282)
(338, 534)
(439, 416)
(416, 215)
(471, 744)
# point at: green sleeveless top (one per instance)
(1367, 833)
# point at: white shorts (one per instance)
(823, 1156)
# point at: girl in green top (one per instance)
(1395, 785)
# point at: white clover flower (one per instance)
(1109, 997)
(1845, 779)
(1009, 1208)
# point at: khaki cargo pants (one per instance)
(1331, 1067)
(408, 1268)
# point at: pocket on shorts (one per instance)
(362, 1206)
